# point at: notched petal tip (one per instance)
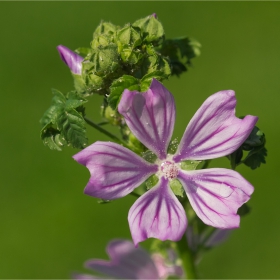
(214, 131)
(150, 116)
(115, 170)
(216, 194)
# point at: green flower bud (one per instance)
(151, 28)
(130, 36)
(105, 60)
(105, 28)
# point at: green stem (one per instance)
(186, 256)
(104, 131)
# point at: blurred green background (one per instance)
(48, 226)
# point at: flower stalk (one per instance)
(104, 131)
(187, 258)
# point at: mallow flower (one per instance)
(215, 194)
(71, 59)
(128, 262)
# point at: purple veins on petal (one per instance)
(115, 171)
(158, 214)
(127, 262)
(214, 131)
(215, 195)
(71, 59)
(150, 116)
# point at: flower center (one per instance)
(169, 170)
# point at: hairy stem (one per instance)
(104, 131)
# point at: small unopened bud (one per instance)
(71, 59)
(154, 15)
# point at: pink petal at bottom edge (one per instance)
(157, 213)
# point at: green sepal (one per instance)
(80, 85)
(190, 164)
(101, 40)
(83, 51)
(177, 187)
(151, 28)
(94, 83)
(173, 146)
(130, 56)
(149, 156)
(154, 66)
(52, 138)
(134, 144)
(147, 79)
(118, 86)
(151, 181)
(105, 28)
(111, 115)
(162, 248)
(129, 35)
(180, 51)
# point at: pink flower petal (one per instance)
(157, 213)
(71, 59)
(127, 262)
(115, 171)
(150, 116)
(214, 131)
(215, 195)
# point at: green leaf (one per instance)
(118, 86)
(180, 51)
(51, 114)
(63, 122)
(74, 101)
(256, 138)
(72, 127)
(255, 144)
(52, 138)
(256, 157)
(59, 98)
